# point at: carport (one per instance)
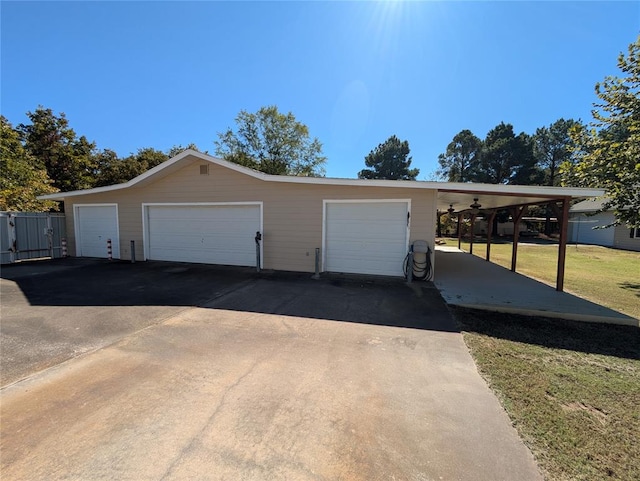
(470, 200)
(458, 283)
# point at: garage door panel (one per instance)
(366, 238)
(204, 234)
(95, 225)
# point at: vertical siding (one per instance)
(292, 213)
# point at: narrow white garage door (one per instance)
(208, 234)
(94, 225)
(366, 238)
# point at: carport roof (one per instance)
(458, 195)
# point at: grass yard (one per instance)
(571, 389)
(609, 277)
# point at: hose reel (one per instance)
(417, 263)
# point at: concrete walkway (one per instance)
(469, 281)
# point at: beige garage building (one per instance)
(197, 208)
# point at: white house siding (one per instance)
(623, 240)
(581, 229)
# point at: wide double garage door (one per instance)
(366, 237)
(210, 234)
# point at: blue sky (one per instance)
(130, 75)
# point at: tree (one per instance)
(460, 162)
(525, 169)
(390, 160)
(178, 149)
(67, 159)
(507, 158)
(113, 170)
(553, 147)
(22, 179)
(273, 143)
(610, 150)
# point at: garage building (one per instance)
(198, 208)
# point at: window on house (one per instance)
(634, 233)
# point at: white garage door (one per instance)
(366, 238)
(94, 225)
(208, 234)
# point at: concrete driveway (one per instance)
(275, 377)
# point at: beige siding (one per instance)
(292, 213)
(622, 240)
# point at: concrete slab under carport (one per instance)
(468, 281)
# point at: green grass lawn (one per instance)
(571, 389)
(609, 277)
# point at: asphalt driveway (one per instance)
(53, 311)
(269, 377)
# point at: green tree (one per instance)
(461, 160)
(113, 170)
(553, 146)
(610, 150)
(272, 142)
(68, 160)
(507, 158)
(178, 149)
(525, 169)
(389, 160)
(22, 180)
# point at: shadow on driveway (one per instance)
(376, 301)
(370, 300)
(56, 310)
(98, 282)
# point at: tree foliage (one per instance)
(389, 160)
(610, 149)
(22, 179)
(553, 147)
(45, 156)
(461, 161)
(507, 158)
(116, 171)
(272, 142)
(67, 159)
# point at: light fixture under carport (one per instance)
(475, 207)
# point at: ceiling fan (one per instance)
(475, 207)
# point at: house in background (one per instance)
(584, 218)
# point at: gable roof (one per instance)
(589, 205)
(455, 193)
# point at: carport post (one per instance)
(473, 225)
(459, 230)
(517, 214)
(133, 252)
(492, 216)
(562, 247)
